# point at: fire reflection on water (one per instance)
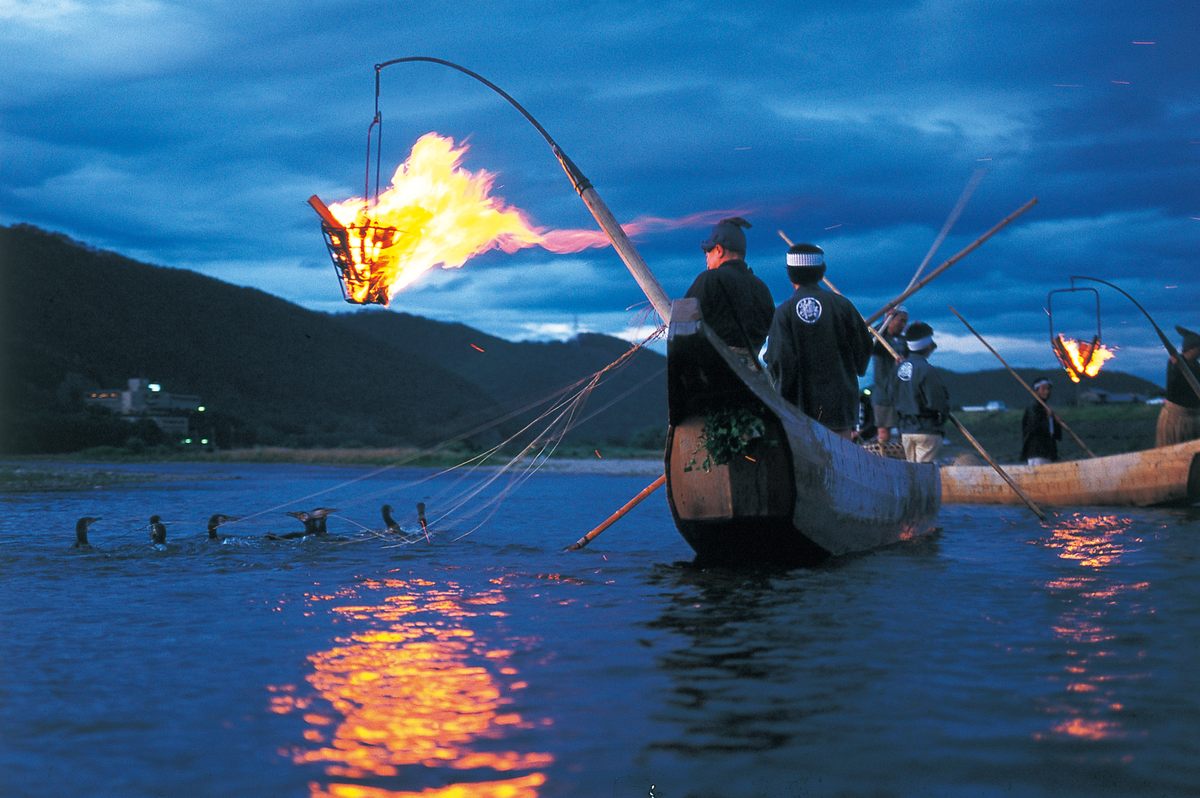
(1091, 708)
(417, 689)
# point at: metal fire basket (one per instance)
(355, 251)
(1087, 351)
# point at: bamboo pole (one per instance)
(1024, 384)
(953, 260)
(612, 519)
(1003, 474)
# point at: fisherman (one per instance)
(922, 401)
(883, 397)
(1179, 419)
(1040, 430)
(734, 303)
(818, 346)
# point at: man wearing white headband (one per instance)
(1040, 430)
(818, 346)
(922, 401)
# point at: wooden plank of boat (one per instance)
(799, 493)
(1169, 475)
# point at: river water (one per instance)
(1000, 657)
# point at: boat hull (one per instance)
(799, 493)
(1169, 475)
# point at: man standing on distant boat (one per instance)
(883, 395)
(1040, 430)
(819, 345)
(1179, 419)
(734, 303)
(922, 401)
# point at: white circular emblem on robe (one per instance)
(904, 371)
(808, 309)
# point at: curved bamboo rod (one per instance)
(1171, 350)
(600, 212)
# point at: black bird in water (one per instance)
(158, 531)
(304, 517)
(81, 530)
(319, 515)
(215, 521)
(392, 526)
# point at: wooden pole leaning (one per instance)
(953, 260)
(1003, 474)
(1024, 384)
(612, 519)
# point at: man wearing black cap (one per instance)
(1040, 430)
(818, 346)
(735, 304)
(1179, 419)
(922, 401)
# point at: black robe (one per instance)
(735, 304)
(1178, 390)
(922, 401)
(1038, 439)
(818, 348)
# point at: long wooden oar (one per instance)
(1003, 474)
(612, 519)
(953, 260)
(1024, 384)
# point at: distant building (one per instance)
(145, 399)
(992, 406)
(1098, 396)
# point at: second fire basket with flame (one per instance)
(1077, 357)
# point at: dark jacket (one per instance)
(1178, 390)
(884, 370)
(735, 304)
(818, 348)
(922, 401)
(1040, 436)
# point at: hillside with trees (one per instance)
(271, 373)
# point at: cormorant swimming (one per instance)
(158, 531)
(392, 526)
(319, 515)
(310, 526)
(215, 521)
(81, 530)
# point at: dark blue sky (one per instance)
(190, 135)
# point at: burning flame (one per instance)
(436, 214)
(1081, 359)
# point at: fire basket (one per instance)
(355, 251)
(1076, 357)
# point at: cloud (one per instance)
(190, 135)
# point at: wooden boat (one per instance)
(1169, 475)
(798, 493)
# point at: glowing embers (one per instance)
(1080, 359)
(434, 214)
(411, 696)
